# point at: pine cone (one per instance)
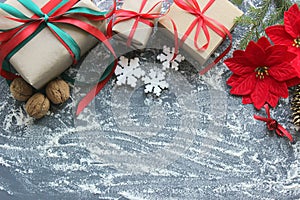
(296, 106)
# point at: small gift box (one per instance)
(202, 25)
(44, 57)
(134, 21)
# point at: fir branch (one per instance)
(281, 7)
(268, 13)
(237, 2)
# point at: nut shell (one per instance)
(20, 89)
(58, 91)
(37, 106)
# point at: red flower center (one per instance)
(296, 42)
(261, 72)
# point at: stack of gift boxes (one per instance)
(40, 56)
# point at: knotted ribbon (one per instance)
(272, 124)
(203, 22)
(54, 12)
(147, 18)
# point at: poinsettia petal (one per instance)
(290, 56)
(275, 54)
(278, 35)
(234, 80)
(247, 99)
(279, 89)
(289, 23)
(239, 53)
(296, 27)
(290, 18)
(278, 54)
(239, 65)
(264, 43)
(283, 71)
(272, 100)
(255, 54)
(296, 64)
(260, 94)
(293, 13)
(245, 87)
(293, 82)
(296, 80)
(294, 9)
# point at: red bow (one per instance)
(124, 15)
(203, 22)
(272, 125)
(11, 39)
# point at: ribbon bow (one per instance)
(203, 22)
(124, 15)
(272, 125)
(54, 12)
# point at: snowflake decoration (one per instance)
(128, 71)
(155, 82)
(166, 58)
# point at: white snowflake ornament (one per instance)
(128, 71)
(155, 82)
(166, 58)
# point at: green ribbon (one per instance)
(64, 36)
(30, 5)
(13, 11)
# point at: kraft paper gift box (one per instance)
(143, 31)
(44, 57)
(223, 11)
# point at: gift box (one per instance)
(44, 57)
(216, 12)
(143, 31)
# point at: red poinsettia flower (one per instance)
(261, 72)
(289, 35)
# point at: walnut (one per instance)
(37, 106)
(20, 89)
(58, 91)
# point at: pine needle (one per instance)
(269, 12)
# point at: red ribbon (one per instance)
(11, 39)
(272, 124)
(203, 22)
(124, 15)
